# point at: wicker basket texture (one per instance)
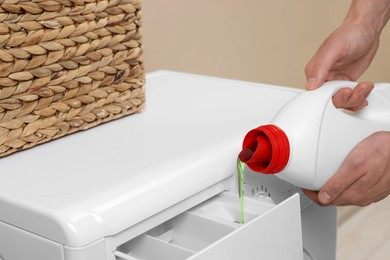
(67, 65)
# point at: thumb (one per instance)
(334, 187)
(316, 74)
(325, 198)
(319, 67)
(312, 84)
(339, 182)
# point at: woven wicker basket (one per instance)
(66, 65)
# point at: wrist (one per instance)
(371, 13)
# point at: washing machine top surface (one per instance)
(96, 183)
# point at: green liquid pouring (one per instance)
(240, 175)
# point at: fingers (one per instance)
(353, 99)
(313, 195)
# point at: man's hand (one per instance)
(363, 178)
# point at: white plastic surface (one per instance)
(319, 231)
(321, 136)
(89, 185)
(224, 208)
(18, 244)
(191, 232)
(148, 247)
(274, 233)
(262, 237)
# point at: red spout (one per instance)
(259, 150)
(265, 149)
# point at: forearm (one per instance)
(373, 13)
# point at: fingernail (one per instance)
(324, 197)
(311, 84)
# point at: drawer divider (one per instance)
(123, 255)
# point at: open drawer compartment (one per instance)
(211, 231)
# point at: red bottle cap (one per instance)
(265, 149)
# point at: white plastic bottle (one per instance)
(309, 138)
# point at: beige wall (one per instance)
(266, 41)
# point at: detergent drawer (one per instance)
(211, 231)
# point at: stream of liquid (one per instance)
(240, 176)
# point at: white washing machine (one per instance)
(160, 185)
